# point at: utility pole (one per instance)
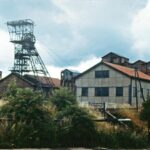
(137, 79)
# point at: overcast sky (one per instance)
(75, 34)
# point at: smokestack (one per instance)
(0, 74)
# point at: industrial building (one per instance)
(67, 78)
(26, 57)
(116, 59)
(113, 84)
(27, 81)
(121, 60)
(114, 80)
(29, 69)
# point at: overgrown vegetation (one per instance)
(30, 120)
(145, 114)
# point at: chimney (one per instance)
(0, 74)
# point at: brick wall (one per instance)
(10, 78)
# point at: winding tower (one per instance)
(26, 57)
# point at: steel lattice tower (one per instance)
(26, 56)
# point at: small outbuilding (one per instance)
(26, 81)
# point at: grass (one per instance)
(134, 115)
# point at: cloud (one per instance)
(100, 26)
(7, 52)
(77, 28)
(86, 64)
(141, 33)
(69, 32)
(82, 66)
(7, 58)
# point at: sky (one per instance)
(75, 34)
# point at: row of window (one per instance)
(102, 91)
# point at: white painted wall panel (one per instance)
(116, 79)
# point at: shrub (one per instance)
(63, 98)
(32, 124)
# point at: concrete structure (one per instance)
(142, 66)
(116, 59)
(111, 83)
(26, 81)
(121, 60)
(67, 78)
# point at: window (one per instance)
(119, 91)
(84, 91)
(102, 74)
(101, 91)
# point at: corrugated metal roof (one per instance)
(43, 80)
(122, 69)
(128, 71)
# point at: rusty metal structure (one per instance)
(26, 57)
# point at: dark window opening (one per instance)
(119, 91)
(84, 91)
(102, 74)
(101, 91)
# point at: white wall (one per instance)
(145, 85)
(116, 79)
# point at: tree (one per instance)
(145, 114)
(75, 125)
(63, 98)
(32, 121)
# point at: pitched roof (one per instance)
(56, 82)
(128, 71)
(122, 69)
(71, 70)
(112, 53)
(141, 61)
(30, 79)
(19, 76)
(43, 80)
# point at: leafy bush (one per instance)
(78, 128)
(145, 114)
(73, 122)
(63, 98)
(32, 124)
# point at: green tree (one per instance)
(75, 124)
(32, 122)
(145, 114)
(63, 98)
(78, 128)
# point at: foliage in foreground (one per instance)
(29, 122)
(59, 122)
(145, 114)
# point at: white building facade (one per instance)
(112, 83)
